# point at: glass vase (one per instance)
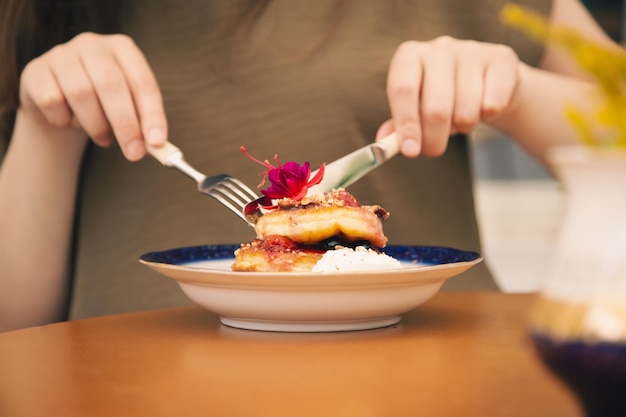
(578, 325)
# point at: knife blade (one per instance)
(352, 167)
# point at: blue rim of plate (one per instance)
(424, 255)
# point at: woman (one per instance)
(308, 83)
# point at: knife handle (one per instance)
(391, 145)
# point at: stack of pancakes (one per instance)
(293, 235)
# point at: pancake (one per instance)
(313, 225)
(293, 235)
(275, 254)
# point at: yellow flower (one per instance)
(606, 65)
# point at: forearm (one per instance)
(537, 116)
(38, 179)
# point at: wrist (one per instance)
(68, 141)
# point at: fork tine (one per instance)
(237, 209)
(232, 189)
(240, 189)
(232, 193)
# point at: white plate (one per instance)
(309, 302)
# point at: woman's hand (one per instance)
(101, 84)
(446, 86)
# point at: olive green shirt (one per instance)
(305, 80)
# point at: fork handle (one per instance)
(170, 156)
(166, 153)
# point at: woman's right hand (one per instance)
(101, 84)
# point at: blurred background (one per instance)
(519, 204)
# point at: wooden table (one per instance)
(460, 354)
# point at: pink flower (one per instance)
(289, 180)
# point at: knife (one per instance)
(350, 168)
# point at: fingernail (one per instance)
(411, 147)
(134, 150)
(156, 136)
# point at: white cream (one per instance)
(358, 259)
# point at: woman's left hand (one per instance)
(446, 86)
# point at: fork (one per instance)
(228, 190)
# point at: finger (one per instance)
(501, 78)
(115, 98)
(103, 142)
(81, 96)
(144, 89)
(469, 92)
(403, 90)
(40, 93)
(437, 100)
(386, 129)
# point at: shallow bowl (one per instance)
(309, 302)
